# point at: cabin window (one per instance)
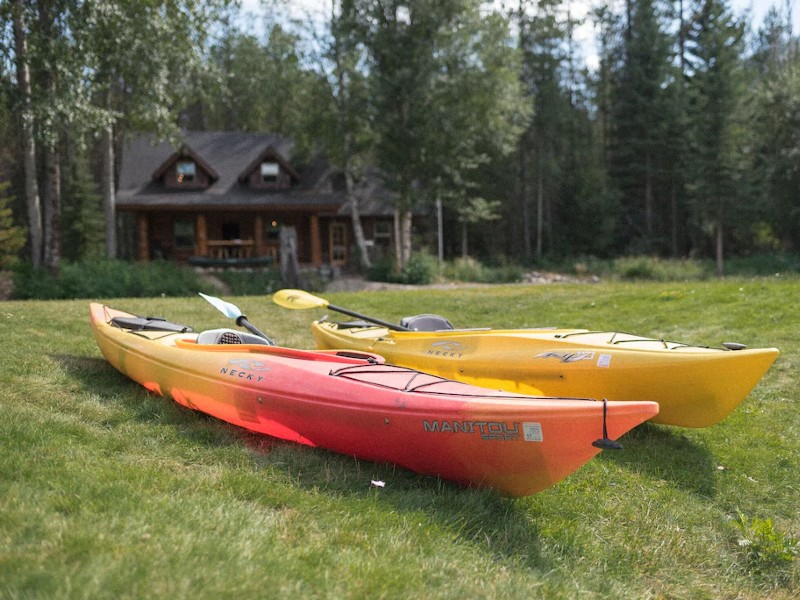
(183, 233)
(186, 170)
(269, 172)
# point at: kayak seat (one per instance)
(426, 323)
(229, 336)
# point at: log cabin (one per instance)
(223, 198)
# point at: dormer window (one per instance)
(186, 171)
(269, 172)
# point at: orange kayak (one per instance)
(355, 404)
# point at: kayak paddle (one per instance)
(232, 312)
(301, 300)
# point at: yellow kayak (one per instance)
(694, 386)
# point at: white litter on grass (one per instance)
(378, 483)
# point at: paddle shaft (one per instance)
(353, 313)
(242, 321)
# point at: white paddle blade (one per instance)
(226, 308)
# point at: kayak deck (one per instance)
(695, 386)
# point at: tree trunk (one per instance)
(540, 211)
(107, 183)
(405, 234)
(32, 201)
(52, 208)
(344, 108)
(674, 224)
(648, 201)
(355, 217)
(720, 246)
(398, 245)
(51, 204)
(523, 198)
(439, 230)
(290, 268)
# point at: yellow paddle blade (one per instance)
(298, 299)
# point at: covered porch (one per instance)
(245, 237)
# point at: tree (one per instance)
(351, 138)
(714, 47)
(141, 53)
(32, 201)
(443, 92)
(774, 128)
(473, 212)
(640, 120)
(12, 237)
(83, 218)
(543, 43)
(250, 85)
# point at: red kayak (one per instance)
(355, 404)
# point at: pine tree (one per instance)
(83, 223)
(774, 128)
(12, 237)
(639, 122)
(714, 48)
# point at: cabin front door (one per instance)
(338, 244)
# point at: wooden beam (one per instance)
(258, 235)
(316, 241)
(201, 241)
(142, 238)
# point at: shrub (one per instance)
(382, 269)
(251, 283)
(421, 269)
(12, 237)
(656, 269)
(105, 279)
(765, 548)
(469, 269)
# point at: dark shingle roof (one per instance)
(229, 154)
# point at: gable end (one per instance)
(269, 171)
(185, 170)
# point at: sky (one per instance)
(584, 35)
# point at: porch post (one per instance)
(201, 243)
(142, 238)
(258, 235)
(316, 241)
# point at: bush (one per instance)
(764, 547)
(469, 269)
(382, 269)
(421, 269)
(656, 269)
(251, 283)
(105, 279)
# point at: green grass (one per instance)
(109, 492)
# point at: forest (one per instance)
(681, 138)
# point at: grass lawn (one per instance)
(109, 492)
